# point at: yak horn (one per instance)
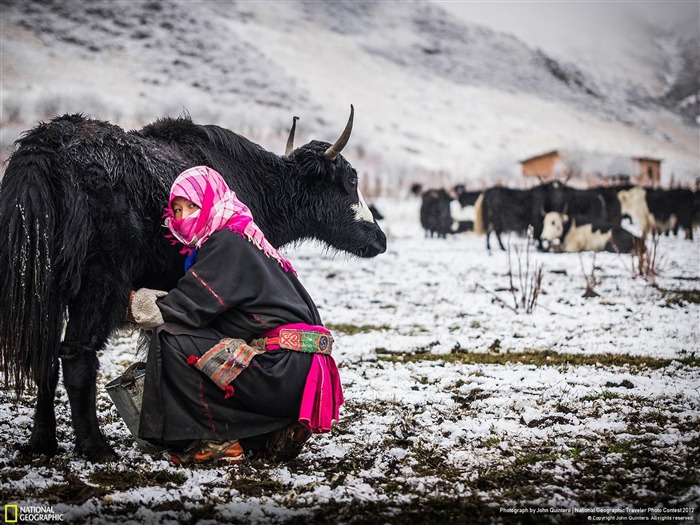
(290, 140)
(332, 152)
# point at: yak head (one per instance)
(328, 189)
(553, 229)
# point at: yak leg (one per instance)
(80, 366)
(500, 243)
(537, 234)
(43, 439)
(87, 333)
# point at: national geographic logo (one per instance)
(11, 513)
(30, 513)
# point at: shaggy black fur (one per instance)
(435, 214)
(81, 206)
(507, 210)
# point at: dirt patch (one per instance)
(125, 479)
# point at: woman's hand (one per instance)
(143, 309)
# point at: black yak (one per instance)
(502, 210)
(435, 213)
(81, 206)
(594, 204)
(672, 209)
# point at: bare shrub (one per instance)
(647, 262)
(530, 279)
(591, 280)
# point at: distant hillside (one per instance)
(683, 95)
(426, 40)
(432, 92)
(178, 41)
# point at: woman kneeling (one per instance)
(239, 363)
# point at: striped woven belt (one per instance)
(302, 341)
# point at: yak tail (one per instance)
(479, 215)
(32, 304)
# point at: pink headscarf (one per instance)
(219, 208)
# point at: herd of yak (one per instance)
(564, 218)
(81, 204)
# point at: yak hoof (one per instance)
(32, 450)
(41, 445)
(95, 448)
(96, 452)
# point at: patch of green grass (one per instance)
(534, 458)
(542, 358)
(603, 394)
(492, 442)
(352, 329)
(620, 448)
(576, 450)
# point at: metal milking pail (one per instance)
(126, 392)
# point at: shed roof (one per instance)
(541, 155)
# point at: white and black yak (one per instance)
(81, 206)
(578, 235)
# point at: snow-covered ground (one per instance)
(433, 293)
(458, 408)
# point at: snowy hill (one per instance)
(439, 98)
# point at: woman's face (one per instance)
(183, 208)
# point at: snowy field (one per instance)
(460, 408)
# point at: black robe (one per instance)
(232, 290)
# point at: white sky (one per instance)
(602, 33)
(552, 23)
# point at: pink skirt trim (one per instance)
(323, 393)
(322, 396)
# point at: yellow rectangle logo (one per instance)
(11, 513)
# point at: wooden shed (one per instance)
(592, 168)
(649, 171)
(541, 166)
